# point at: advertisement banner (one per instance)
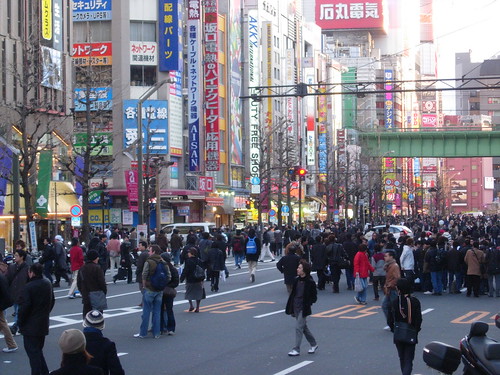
(322, 136)
(42, 189)
(194, 89)
(350, 14)
(127, 217)
(5, 172)
(143, 53)
(91, 10)
(115, 216)
(389, 104)
(46, 19)
(92, 54)
(429, 120)
(211, 75)
(52, 74)
(131, 181)
(253, 35)
(170, 35)
(175, 115)
(206, 184)
(100, 99)
(101, 144)
(154, 125)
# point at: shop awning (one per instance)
(214, 201)
(61, 198)
(179, 201)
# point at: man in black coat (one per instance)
(33, 320)
(102, 252)
(303, 295)
(90, 279)
(319, 261)
(102, 349)
(351, 249)
(288, 265)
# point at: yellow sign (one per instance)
(47, 19)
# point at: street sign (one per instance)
(255, 181)
(272, 212)
(76, 221)
(76, 210)
(397, 183)
(285, 209)
(255, 189)
(388, 181)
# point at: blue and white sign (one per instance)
(154, 125)
(285, 209)
(272, 212)
(255, 181)
(170, 35)
(100, 99)
(91, 10)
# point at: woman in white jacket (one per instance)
(407, 261)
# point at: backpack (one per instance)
(174, 280)
(237, 247)
(251, 246)
(159, 279)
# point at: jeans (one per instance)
(214, 280)
(437, 281)
(362, 295)
(496, 278)
(350, 278)
(406, 353)
(151, 305)
(387, 304)
(378, 282)
(168, 318)
(458, 277)
(302, 329)
(336, 273)
(238, 259)
(34, 349)
(321, 279)
(279, 248)
(176, 256)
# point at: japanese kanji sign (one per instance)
(100, 99)
(170, 38)
(350, 14)
(143, 53)
(194, 89)
(389, 101)
(91, 10)
(92, 53)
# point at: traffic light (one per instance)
(301, 172)
(248, 204)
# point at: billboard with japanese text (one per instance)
(92, 53)
(170, 35)
(143, 53)
(350, 14)
(100, 99)
(91, 10)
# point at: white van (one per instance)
(184, 228)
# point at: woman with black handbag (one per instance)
(405, 323)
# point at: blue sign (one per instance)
(322, 153)
(285, 209)
(272, 212)
(170, 35)
(91, 10)
(255, 180)
(100, 99)
(154, 125)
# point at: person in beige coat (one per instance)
(474, 258)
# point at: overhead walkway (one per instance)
(444, 144)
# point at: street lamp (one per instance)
(140, 183)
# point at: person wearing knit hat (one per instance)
(75, 358)
(102, 349)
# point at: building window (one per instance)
(474, 181)
(99, 32)
(222, 140)
(494, 100)
(142, 31)
(222, 74)
(474, 106)
(473, 167)
(475, 194)
(4, 73)
(142, 75)
(220, 41)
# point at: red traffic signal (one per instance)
(248, 204)
(301, 171)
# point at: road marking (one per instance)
(269, 314)
(293, 368)
(427, 311)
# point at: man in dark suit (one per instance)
(33, 320)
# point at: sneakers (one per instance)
(387, 328)
(357, 300)
(9, 350)
(138, 336)
(71, 296)
(313, 349)
(293, 353)
(428, 293)
(171, 333)
(157, 336)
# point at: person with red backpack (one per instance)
(238, 246)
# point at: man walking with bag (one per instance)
(92, 285)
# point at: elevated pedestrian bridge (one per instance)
(433, 142)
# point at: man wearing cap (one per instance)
(33, 320)
(90, 279)
(61, 264)
(101, 348)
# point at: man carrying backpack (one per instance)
(252, 253)
(155, 277)
(238, 245)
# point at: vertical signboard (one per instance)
(5, 171)
(267, 62)
(131, 181)
(193, 75)
(254, 80)
(211, 72)
(170, 35)
(389, 100)
(42, 189)
(47, 20)
(290, 80)
(322, 141)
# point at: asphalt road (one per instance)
(243, 329)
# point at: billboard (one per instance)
(91, 10)
(100, 99)
(143, 53)
(170, 35)
(194, 89)
(52, 75)
(92, 53)
(253, 38)
(154, 125)
(350, 14)
(429, 120)
(389, 100)
(211, 74)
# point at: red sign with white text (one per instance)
(206, 184)
(131, 180)
(350, 14)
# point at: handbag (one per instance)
(98, 300)
(482, 266)
(404, 332)
(169, 292)
(199, 273)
